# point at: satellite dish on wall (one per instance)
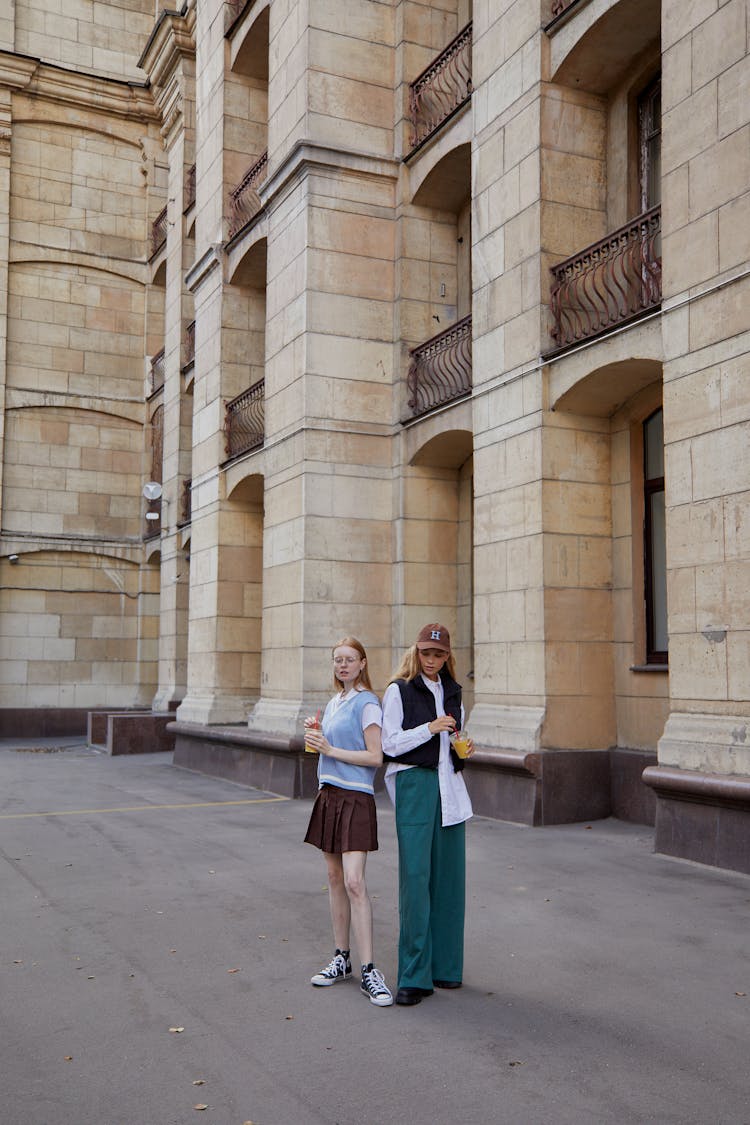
(152, 490)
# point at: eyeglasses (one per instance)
(346, 660)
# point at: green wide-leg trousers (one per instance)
(432, 884)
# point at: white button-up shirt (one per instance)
(455, 802)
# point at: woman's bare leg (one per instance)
(359, 900)
(338, 900)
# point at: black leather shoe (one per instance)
(409, 996)
(447, 983)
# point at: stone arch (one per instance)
(437, 541)
(594, 51)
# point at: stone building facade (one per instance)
(401, 310)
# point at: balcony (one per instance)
(158, 232)
(441, 89)
(244, 201)
(440, 369)
(244, 422)
(610, 283)
(157, 372)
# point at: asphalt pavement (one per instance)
(159, 929)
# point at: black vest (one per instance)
(419, 707)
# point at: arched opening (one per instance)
(435, 308)
(605, 563)
(437, 537)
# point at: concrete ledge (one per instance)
(632, 800)
(96, 725)
(275, 764)
(703, 817)
(43, 722)
(535, 788)
(139, 733)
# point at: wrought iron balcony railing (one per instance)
(244, 201)
(157, 372)
(190, 188)
(441, 88)
(611, 282)
(244, 422)
(440, 369)
(159, 232)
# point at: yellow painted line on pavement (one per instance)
(141, 808)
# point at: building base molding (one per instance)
(208, 709)
(546, 787)
(707, 743)
(283, 718)
(274, 764)
(701, 816)
(514, 728)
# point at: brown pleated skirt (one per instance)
(343, 820)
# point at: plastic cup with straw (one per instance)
(312, 724)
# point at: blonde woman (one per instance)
(343, 823)
(421, 707)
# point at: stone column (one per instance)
(224, 539)
(706, 314)
(5, 122)
(170, 63)
(510, 684)
(329, 353)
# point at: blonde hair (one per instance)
(410, 666)
(363, 678)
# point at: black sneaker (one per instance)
(374, 987)
(340, 968)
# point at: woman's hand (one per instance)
(443, 722)
(470, 749)
(316, 739)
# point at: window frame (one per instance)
(651, 487)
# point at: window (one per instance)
(649, 134)
(654, 539)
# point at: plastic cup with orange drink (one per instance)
(313, 724)
(460, 743)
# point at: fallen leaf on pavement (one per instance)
(199, 1082)
(18, 962)
(289, 1017)
(233, 970)
(68, 1058)
(177, 1029)
(200, 1105)
(516, 1062)
(740, 994)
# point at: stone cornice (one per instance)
(20, 398)
(16, 71)
(308, 155)
(119, 267)
(170, 41)
(111, 96)
(206, 264)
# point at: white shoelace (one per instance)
(375, 982)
